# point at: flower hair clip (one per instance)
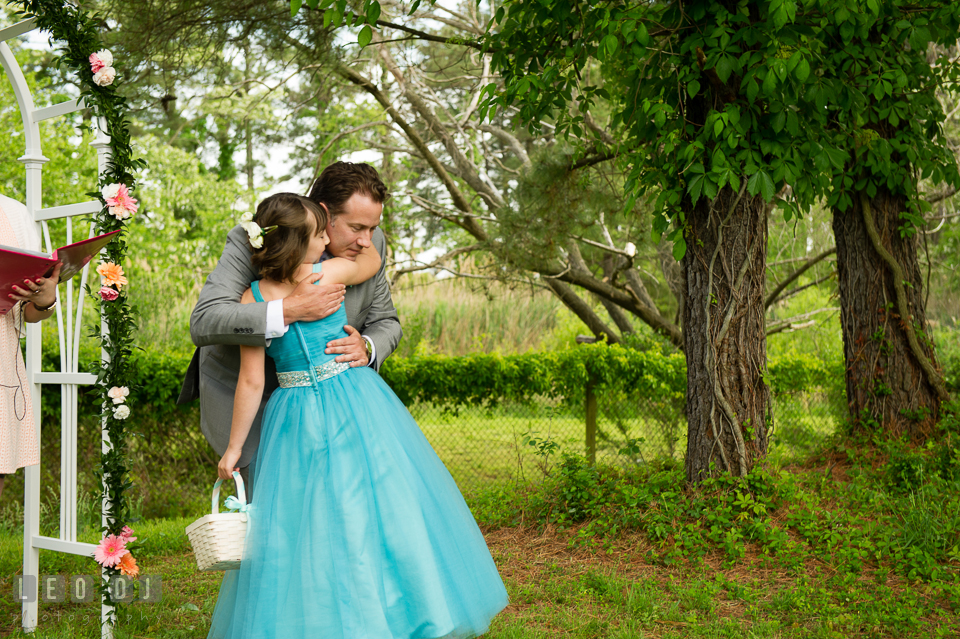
(254, 232)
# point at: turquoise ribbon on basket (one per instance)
(232, 503)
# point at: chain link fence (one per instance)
(519, 440)
(497, 440)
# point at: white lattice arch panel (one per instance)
(69, 313)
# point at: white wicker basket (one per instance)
(217, 538)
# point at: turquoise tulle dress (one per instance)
(356, 529)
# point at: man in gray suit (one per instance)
(353, 195)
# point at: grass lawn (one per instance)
(836, 549)
(556, 591)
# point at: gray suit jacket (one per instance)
(219, 324)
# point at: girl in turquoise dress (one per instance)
(358, 531)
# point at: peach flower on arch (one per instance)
(128, 565)
(112, 274)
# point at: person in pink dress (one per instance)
(36, 300)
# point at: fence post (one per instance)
(591, 409)
(591, 424)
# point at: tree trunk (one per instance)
(886, 385)
(724, 341)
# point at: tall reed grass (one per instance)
(456, 317)
(448, 316)
(164, 297)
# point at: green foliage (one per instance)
(452, 317)
(476, 379)
(800, 371)
(950, 360)
(906, 469)
(708, 95)
(155, 391)
(883, 103)
(214, 79)
(177, 236)
(545, 448)
(72, 168)
(863, 523)
(579, 493)
(553, 203)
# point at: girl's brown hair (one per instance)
(285, 247)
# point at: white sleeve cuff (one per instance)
(373, 350)
(275, 325)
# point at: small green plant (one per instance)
(880, 389)
(632, 449)
(906, 468)
(578, 490)
(927, 534)
(545, 448)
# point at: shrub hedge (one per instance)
(489, 378)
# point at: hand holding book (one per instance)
(21, 267)
(41, 292)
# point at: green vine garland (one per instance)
(77, 35)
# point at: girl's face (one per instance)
(318, 242)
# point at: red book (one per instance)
(18, 264)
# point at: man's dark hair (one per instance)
(341, 180)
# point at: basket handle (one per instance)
(241, 493)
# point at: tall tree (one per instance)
(707, 100)
(466, 182)
(883, 106)
(214, 78)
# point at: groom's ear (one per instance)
(327, 211)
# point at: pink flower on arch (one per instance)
(119, 395)
(110, 551)
(127, 534)
(108, 294)
(100, 59)
(118, 199)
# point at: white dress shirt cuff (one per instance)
(373, 350)
(275, 325)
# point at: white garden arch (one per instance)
(69, 313)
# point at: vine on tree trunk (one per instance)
(936, 381)
(710, 358)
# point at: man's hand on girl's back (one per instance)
(312, 301)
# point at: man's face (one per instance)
(352, 231)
